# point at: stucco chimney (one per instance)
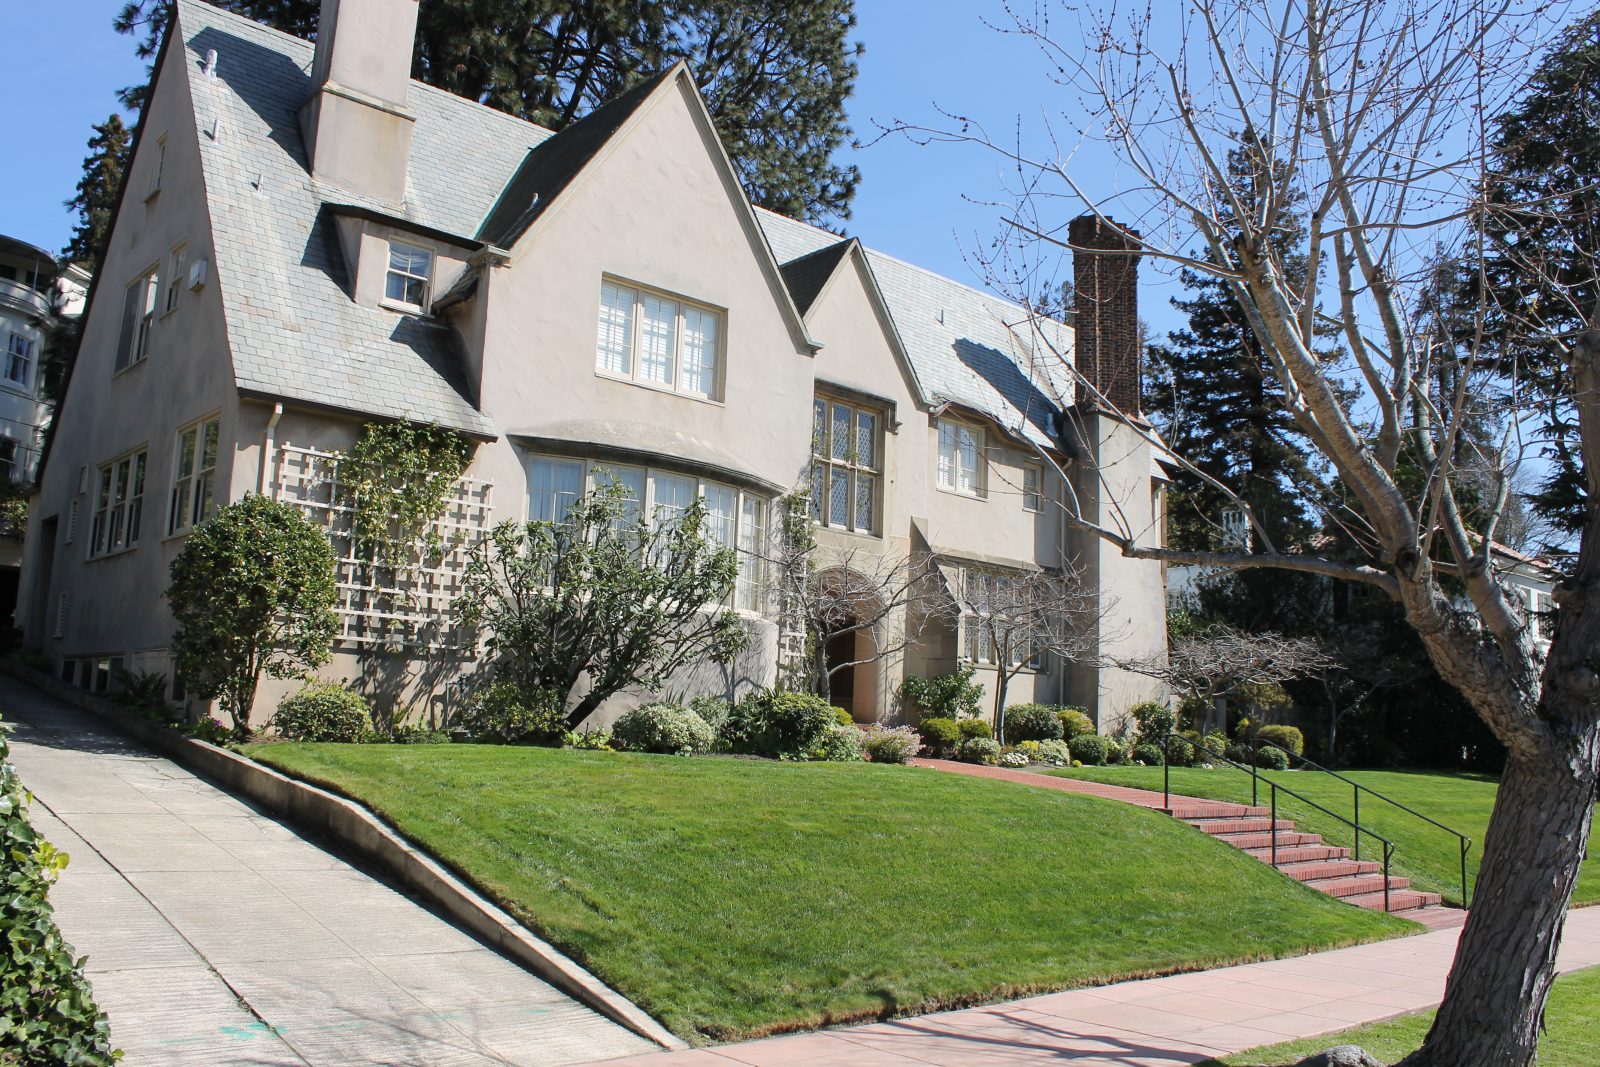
(356, 124)
(1105, 280)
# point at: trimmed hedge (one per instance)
(1033, 722)
(971, 728)
(939, 735)
(324, 711)
(1285, 737)
(47, 1009)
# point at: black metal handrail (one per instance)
(1272, 821)
(1357, 789)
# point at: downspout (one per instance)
(269, 448)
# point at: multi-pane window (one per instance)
(174, 279)
(118, 505)
(19, 360)
(651, 338)
(410, 268)
(194, 471)
(994, 611)
(1541, 614)
(846, 465)
(1032, 488)
(734, 519)
(138, 320)
(960, 451)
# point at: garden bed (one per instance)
(733, 898)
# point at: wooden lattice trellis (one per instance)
(407, 606)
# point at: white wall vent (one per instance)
(62, 603)
(72, 522)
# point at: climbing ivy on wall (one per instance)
(397, 481)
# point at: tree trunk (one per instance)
(1001, 684)
(1494, 1002)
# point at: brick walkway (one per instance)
(1159, 1022)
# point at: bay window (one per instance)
(658, 340)
(846, 465)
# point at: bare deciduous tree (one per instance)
(1378, 116)
(1221, 660)
(1023, 616)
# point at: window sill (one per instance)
(964, 496)
(136, 363)
(112, 554)
(656, 387)
(847, 532)
(402, 307)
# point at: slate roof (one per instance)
(485, 176)
(966, 346)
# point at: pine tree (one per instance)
(1543, 249)
(1217, 403)
(774, 75)
(97, 192)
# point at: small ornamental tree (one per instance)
(252, 591)
(605, 595)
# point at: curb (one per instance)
(358, 829)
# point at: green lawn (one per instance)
(732, 898)
(1430, 857)
(1572, 1018)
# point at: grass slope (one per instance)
(1430, 857)
(732, 898)
(1572, 1037)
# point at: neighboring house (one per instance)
(308, 241)
(35, 292)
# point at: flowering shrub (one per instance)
(891, 745)
(978, 750)
(1029, 749)
(666, 728)
(1011, 759)
(841, 744)
(324, 711)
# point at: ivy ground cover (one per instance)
(1428, 856)
(732, 897)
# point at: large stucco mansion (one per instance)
(309, 241)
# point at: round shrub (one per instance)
(1012, 759)
(1154, 720)
(1116, 751)
(1272, 759)
(505, 713)
(844, 717)
(1285, 737)
(939, 735)
(324, 711)
(891, 745)
(974, 728)
(841, 744)
(714, 710)
(778, 724)
(1147, 754)
(1089, 749)
(1032, 722)
(978, 750)
(1074, 721)
(1216, 743)
(1055, 753)
(671, 729)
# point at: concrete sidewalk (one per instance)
(216, 935)
(1159, 1022)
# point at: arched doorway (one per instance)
(849, 607)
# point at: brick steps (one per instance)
(1304, 857)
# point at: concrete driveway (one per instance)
(216, 935)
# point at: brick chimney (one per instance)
(1105, 281)
(356, 124)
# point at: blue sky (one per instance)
(60, 64)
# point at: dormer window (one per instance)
(410, 269)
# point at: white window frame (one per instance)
(975, 643)
(194, 484)
(174, 287)
(1032, 497)
(138, 319)
(408, 275)
(830, 465)
(949, 474)
(632, 355)
(19, 352)
(118, 503)
(747, 508)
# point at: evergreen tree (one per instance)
(1216, 401)
(1541, 270)
(774, 75)
(97, 192)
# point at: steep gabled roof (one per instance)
(807, 275)
(966, 347)
(551, 166)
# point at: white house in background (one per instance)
(310, 241)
